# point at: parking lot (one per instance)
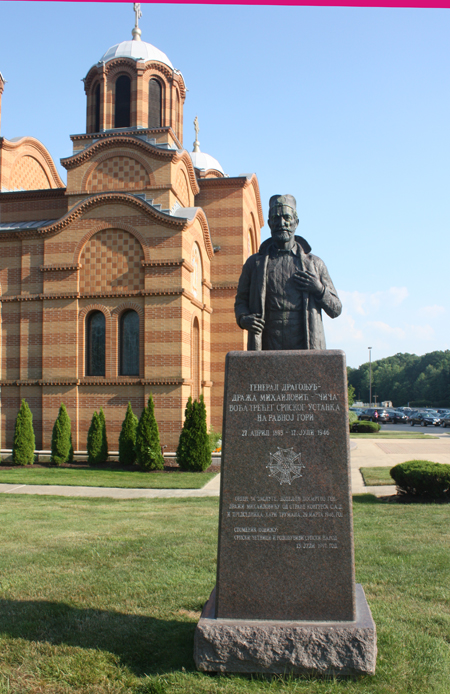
(433, 431)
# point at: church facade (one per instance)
(122, 282)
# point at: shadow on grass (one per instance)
(365, 499)
(144, 644)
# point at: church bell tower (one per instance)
(134, 86)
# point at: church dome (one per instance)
(136, 50)
(205, 162)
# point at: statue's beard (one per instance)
(282, 235)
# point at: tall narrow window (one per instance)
(154, 104)
(95, 344)
(129, 344)
(97, 109)
(123, 102)
(195, 359)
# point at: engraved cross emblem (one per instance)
(285, 465)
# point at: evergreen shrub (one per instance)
(127, 438)
(104, 449)
(95, 441)
(366, 427)
(148, 446)
(422, 478)
(194, 451)
(24, 442)
(62, 450)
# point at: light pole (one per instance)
(370, 375)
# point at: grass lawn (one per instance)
(376, 475)
(393, 435)
(105, 477)
(102, 597)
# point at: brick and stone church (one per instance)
(122, 282)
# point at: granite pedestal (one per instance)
(285, 598)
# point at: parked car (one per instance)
(445, 420)
(397, 417)
(425, 419)
(369, 415)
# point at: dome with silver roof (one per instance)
(200, 160)
(136, 50)
(205, 162)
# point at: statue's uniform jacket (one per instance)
(251, 294)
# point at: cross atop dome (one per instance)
(136, 33)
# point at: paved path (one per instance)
(364, 453)
(212, 488)
(390, 452)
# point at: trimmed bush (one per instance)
(366, 427)
(62, 451)
(422, 478)
(184, 442)
(104, 450)
(127, 438)
(148, 446)
(194, 451)
(95, 441)
(352, 419)
(24, 442)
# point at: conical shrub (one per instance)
(62, 450)
(148, 447)
(24, 441)
(185, 441)
(127, 438)
(95, 440)
(194, 452)
(104, 451)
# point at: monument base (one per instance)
(251, 646)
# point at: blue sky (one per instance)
(348, 109)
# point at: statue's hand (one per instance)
(252, 322)
(309, 282)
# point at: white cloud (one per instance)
(341, 330)
(353, 302)
(364, 303)
(432, 311)
(386, 329)
(398, 294)
(423, 332)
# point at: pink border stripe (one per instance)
(432, 4)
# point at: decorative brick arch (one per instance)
(31, 166)
(196, 245)
(100, 226)
(112, 260)
(28, 174)
(116, 315)
(118, 154)
(182, 187)
(82, 315)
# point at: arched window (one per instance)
(129, 344)
(95, 344)
(97, 109)
(197, 274)
(154, 104)
(123, 100)
(195, 359)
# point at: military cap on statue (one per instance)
(288, 200)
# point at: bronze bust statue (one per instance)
(283, 288)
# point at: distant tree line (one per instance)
(421, 381)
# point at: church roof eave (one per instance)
(134, 142)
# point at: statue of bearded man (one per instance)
(284, 288)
